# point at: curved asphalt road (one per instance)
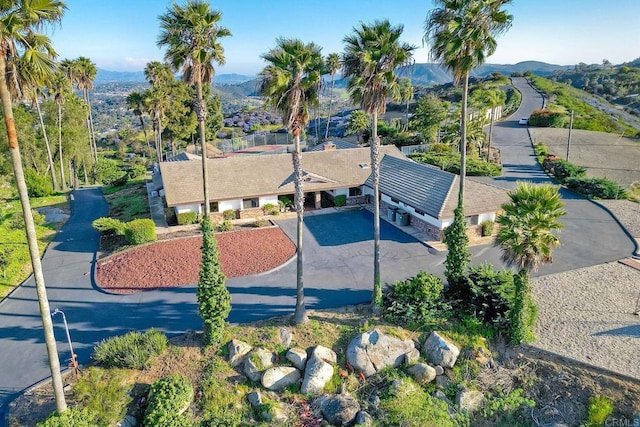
(338, 253)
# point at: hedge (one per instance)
(140, 231)
(108, 225)
(135, 350)
(597, 188)
(547, 118)
(187, 218)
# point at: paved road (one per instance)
(338, 254)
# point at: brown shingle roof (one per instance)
(252, 176)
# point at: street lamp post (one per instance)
(73, 364)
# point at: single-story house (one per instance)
(246, 183)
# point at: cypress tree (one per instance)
(458, 257)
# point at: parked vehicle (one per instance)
(524, 121)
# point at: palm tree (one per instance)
(135, 102)
(158, 73)
(32, 82)
(290, 83)
(333, 65)
(60, 88)
(461, 35)
(495, 98)
(527, 240)
(81, 72)
(406, 95)
(19, 19)
(157, 102)
(372, 54)
(191, 35)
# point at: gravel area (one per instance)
(627, 212)
(587, 315)
(176, 262)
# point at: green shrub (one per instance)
(140, 231)
(17, 220)
(490, 295)
(285, 201)
(229, 214)
(458, 255)
(120, 181)
(445, 158)
(340, 200)
(134, 350)
(225, 225)
(105, 393)
(597, 188)
(487, 227)
(260, 222)
(547, 118)
(598, 409)
(137, 170)
(187, 218)
(168, 397)
(106, 171)
(542, 151)
(523, 312)
(37, 185)
(72, 417)
(562, 170)
(271, 209)
(501, 403)
(108, 225)
(415, 302)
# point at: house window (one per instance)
(355, 191)
(250, 203)
(419, 212)
(213, 207)
(472, 220)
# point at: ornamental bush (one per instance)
(184, 218)
(140, 231)
(135, 350)
(37, 185)
(490, 295)
(547, 118)
(597, 188)
(415, 302)
(169, 397)
(72, 417)
(229, 214)
(108, 225)
(340, 200)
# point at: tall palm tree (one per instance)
(60, 88)
(81, 72)
(291, 83)
(18, 20)
(191, 35)
(372, 54)
(333, 65)
(157, 102)
(32, 82)
(158, 73)
(135, 102)
(461, 35)
(527, 240)
(406, 95)
(494, 98)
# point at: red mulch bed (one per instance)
(172, 263)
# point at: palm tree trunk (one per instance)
(463, 139)
(300, 315)
(146, 139)
(62, 178)
(201, 114)
(32, 240)
(92, 132)
(84, 170)
(54, 178)
(375, 168)
(160, 138)
(490, 134)
(406, 122)
(326, 132)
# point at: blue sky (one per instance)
(120, 35)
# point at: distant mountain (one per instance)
(430, 73)
(233, 78)
(247, 88)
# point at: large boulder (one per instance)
(280, 377)
(325, 354)
(256, 362)
(440, 351)
(370, 352)
(237, 351)
(298, 357)
(316, 376)
(339, 409)
(422, 373)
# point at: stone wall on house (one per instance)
(357, 200)
(251, 213)
(425, 227)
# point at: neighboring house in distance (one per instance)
(246, 183)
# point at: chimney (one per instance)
(328, 146)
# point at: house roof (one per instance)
(252, 176)
(435, 191)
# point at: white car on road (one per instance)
(524, 121)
